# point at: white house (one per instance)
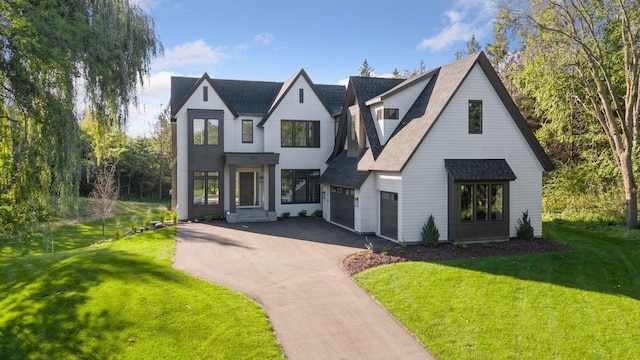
(449, 143)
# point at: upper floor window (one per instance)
(205, 93)
(475, 116)
(205, 132)
(299, 133)
(247, 131)
(301, 96)
(388, 114)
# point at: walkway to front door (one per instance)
(293, 269)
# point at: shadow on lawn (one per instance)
(599, 262)
(43, 298)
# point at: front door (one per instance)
(247, 189)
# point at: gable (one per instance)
(181, 85)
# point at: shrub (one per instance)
(524, 230)
(174, 217)
(134, 223)
(317, 213)
(118, 232)
(302, 213)
(430, 233)
(286, 215)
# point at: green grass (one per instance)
(581, 304)
(123, 300)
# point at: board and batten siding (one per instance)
(424, 178)
(183, 137)
(290, 108)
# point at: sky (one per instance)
(270, 40)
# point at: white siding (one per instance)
(425, 177)
(299, 158)
(183, 136)
(234, 142)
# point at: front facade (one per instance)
(389, 153)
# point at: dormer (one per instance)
(387, 119)
(356, 137)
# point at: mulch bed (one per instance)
(364, 260)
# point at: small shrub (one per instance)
(134, 223)
(430, 233)
(461, 245)
(174, 217)
(317, 213)
(385, 251)
(286, 215)
(163, 216)
(368, 244)
(118, 233)
(208, 218)
(147, 220)
(524, 230)
(302, 213)
(486, 245)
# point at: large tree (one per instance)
(581, 58)
(50, 52)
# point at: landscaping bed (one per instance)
(364, 260)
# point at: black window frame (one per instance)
(307, 138)
(474, 199)
(205, 93)
(388, 114)
(205, 176)
(205, 131)
(245, 140)
(301, 95)
(475, 117)
(311, 179)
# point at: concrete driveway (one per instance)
(293, 269)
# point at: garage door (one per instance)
(342, 206)
(389, 214)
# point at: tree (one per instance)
(161, 147)
(365, 70)
(582, 58)
(49, 51)
(104, 194)
(472, 48)
(396, 74)
(421, 69)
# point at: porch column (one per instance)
(272, 187)
(232, 188)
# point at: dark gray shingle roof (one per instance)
(333, 95)
(343, 171)
(479, 169)
(180, 87)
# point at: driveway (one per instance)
(293, 269)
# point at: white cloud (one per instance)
(343, 82)
(153, 97)
(196, 53)
(264, 38)
(465, 19)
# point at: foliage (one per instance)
(174, 216)
(365, 70)
(285, 215)
(579, 62)
(421, 69)
(104, 195)
(123, 299)
(472, 47)
(302, 213)
(50, 51)
(430, 234)
(524, 230)
(556, 305)
(214, 217)
(317, 213)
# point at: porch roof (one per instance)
(479, 169)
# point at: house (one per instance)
(250, 148)
(390, 152)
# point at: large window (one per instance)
(481, 202)
(475, 117)
(247, 131)
(389, 114)
(206, 188)
(300, 186)
(205, 132)
(298, 133)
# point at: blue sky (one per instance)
(272, 40)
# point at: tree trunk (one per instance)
(630, 190)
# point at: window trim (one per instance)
(473, 200)
(247, 121)
(471, 125)
(311, 140)
(312, 183)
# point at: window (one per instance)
(205, 93)
(475, 117)
(247, 131)
(481, 202)
(297, 133)
(300, 186)
(206, 188)
(301, 95)
(388, 114)
(205, 132)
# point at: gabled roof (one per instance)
(181, 85)
(400, 87)
(244, 97)
(343, 172)
(284, 90)
(404, 142)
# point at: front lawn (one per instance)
(122, 299)
(580, 304)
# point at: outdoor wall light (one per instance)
(356, 202)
